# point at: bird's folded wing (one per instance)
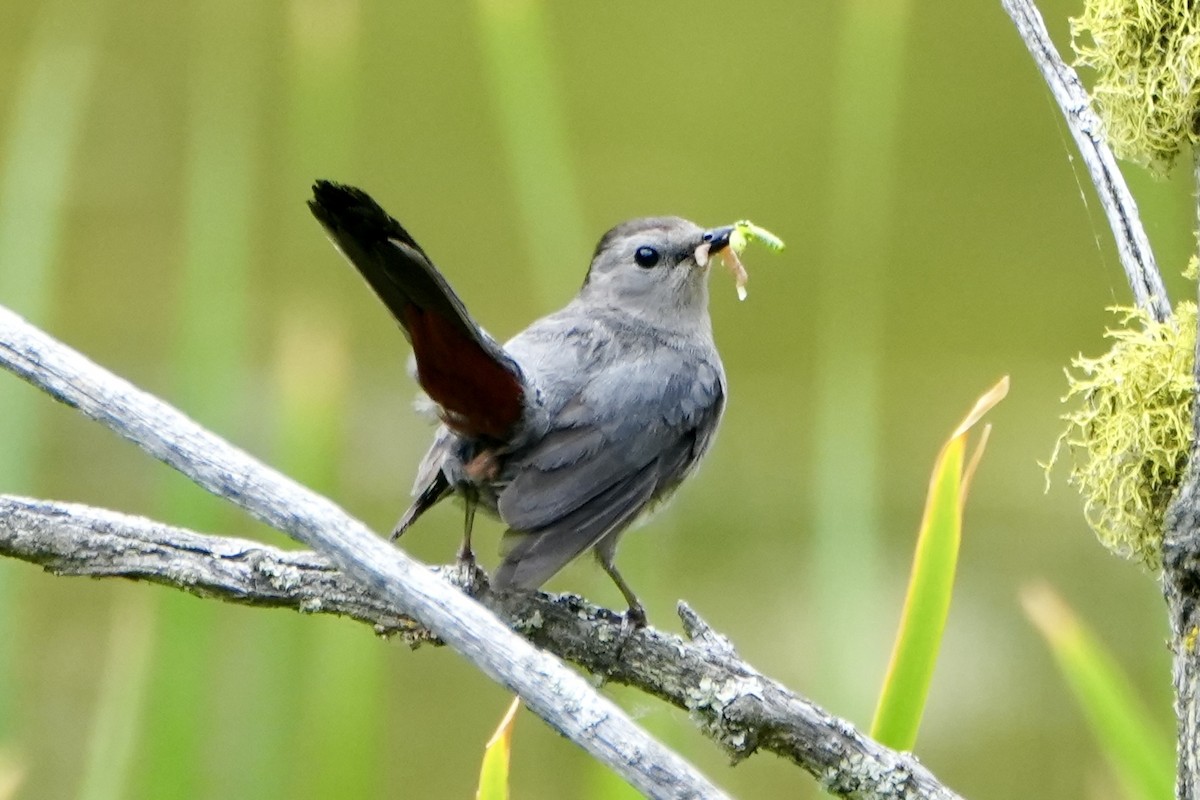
(601, 466)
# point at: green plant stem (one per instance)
(47, 126)
(848, 391)
(528, 104)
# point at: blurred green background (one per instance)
(154, 162)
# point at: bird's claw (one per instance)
(634, 618)
(470, 573)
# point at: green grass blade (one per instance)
(194, 683)
(931, 585)
(515, 45)
(1140, 753)
(493, 775)
(35, 177)
(926, 607)
(343, 673)
(848, 392)
(39, 146)
(124, 678)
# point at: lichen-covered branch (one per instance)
(1181, 537)
(1181, 587)
(1137, 258)
(736, 705)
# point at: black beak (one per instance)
(718, 238)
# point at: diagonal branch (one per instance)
(735, 704)
(377, 583)
(1133, 244)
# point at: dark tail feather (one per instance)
(386, 255)
(477, 384)
(428, 498)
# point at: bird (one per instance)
(579, 424)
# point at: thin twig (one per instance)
(735, 704)
(1137, 258)
(549, 688)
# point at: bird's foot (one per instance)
(470, 573)
(632, 621)
(634, 618)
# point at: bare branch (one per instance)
(1132, 243)
(736, 705)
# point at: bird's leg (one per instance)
(635, 617)
(474, 579)
(465, 553)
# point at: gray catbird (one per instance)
(578, 424)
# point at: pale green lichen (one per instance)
(859, 777)
(283, 577)
(707, 702)
(531, 624)
(312, 605)
(1131, 430)
(1146, 54)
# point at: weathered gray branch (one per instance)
(367, 579)
(736, 705)
(1133, 244)
(71, 539)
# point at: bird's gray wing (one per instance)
(602, 463)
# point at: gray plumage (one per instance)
(593, 464)
(620, 394)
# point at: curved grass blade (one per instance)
(927, 604)
(1140, 752)
(124, 686)
(12, 774)
(493, 775)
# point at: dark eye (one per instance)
(646, 257)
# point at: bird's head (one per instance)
(656, 268)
